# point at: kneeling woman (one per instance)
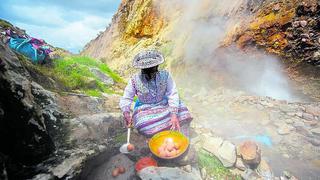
(158, 106)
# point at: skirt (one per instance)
(150, 119)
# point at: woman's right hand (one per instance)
(128, 119)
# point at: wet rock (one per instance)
(250, 153)
(264, 170)
(251, 175)
(102, 76)
(159, 173)
(227, 154)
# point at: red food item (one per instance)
(130, 147)
(145, 162)
(115, 172)
(122, 170)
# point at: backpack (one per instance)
(33, 48)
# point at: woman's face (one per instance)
(150, 70)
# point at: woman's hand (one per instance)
(127, 119)
(175, 122)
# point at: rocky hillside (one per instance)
(288, 29)
(47, 126)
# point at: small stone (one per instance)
(316, 131)
(289, 121)
(276, 7)
(187, 168)
(286, 155)
(311, 109)
(298, 124)
(287, 174)
(296, 24)
(307, 116)
(310, 123)
(314, 141)
(283, 130)
(251, 175)
(203, 173)
(303, 23)
(240, 165)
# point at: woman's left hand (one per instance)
(175, 122)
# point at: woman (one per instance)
(158, 106)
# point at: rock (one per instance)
(284, 130)
(102, 76)
(250, 154)
(29, 116)
(240, 165)
(303, 23)
(307, 116)
(187, 168)
(314, 110)
(160, 173)
(43, 177)
(203, 173)
(264, 170)
(251, 175)
(212, 144)
(316, 131)
(90, 83)
(69, 166)
(227, 154)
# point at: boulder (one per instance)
(227, 154)
(160, 173)
(250, 154)
(212, 144)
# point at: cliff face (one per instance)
(137, 23)
(171, 26)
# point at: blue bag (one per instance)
(25, 47)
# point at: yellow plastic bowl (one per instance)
(158, 139)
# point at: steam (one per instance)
(201, 26)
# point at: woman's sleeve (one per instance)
(127, 98)
(173, 96)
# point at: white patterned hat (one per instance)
(147, 59)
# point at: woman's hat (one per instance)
(147, 59)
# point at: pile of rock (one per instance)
(304, 35)
(244, 159)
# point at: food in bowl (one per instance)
(169, 148)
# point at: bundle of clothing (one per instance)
(35, 49)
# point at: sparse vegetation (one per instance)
(74, 73)
(214, 167)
